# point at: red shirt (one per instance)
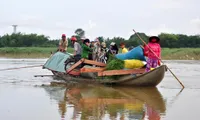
(155, 47)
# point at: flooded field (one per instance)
(23, 98)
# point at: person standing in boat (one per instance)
(103, 53)
(96, 50)
(86, 49)
(63, 44)
(153, 52)
(124, 49)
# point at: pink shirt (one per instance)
(155, 47)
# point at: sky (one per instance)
(108, 18)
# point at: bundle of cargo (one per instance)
(130, 60)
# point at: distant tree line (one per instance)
(35, 40)
(166, 40)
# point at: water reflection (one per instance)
(99, 102)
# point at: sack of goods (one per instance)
(136, 53)
(131, 64)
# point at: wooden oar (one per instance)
(158, 58)
(20, 67)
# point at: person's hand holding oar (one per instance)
(20, 67)
(158, 58)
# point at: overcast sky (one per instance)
(107, 18)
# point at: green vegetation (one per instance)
(181, 53)
(115, 64)
(29, 52)
(34, 40)
(40, 46)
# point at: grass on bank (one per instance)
(44, 52)
(29, 52)
(181, 53)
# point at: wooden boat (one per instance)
(99, 75)
(152, 78)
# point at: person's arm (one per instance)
(95, 48)
(66, 42)
(75, 48)
(87, 48)
(74, 52)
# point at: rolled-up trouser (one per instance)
(77, 58)
(74, 59)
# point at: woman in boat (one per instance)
(153, 51)
(86, 49)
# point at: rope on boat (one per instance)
(20, 67)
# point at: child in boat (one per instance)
(124, 49)
(153, 51)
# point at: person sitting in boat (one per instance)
(124, 49)
(63, 44)
(86, 49)
(77, 53)
(77, 49)
(153, 51)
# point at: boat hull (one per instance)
(152, 78)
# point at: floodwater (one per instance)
(23, 98)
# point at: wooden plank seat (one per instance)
(87, 62)
(121, 72)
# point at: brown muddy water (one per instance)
(23, 98)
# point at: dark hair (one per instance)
(86, 41)
(122, 43)
(154, 37)
(114, 47)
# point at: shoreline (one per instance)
(43, 53)
(46, 56)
